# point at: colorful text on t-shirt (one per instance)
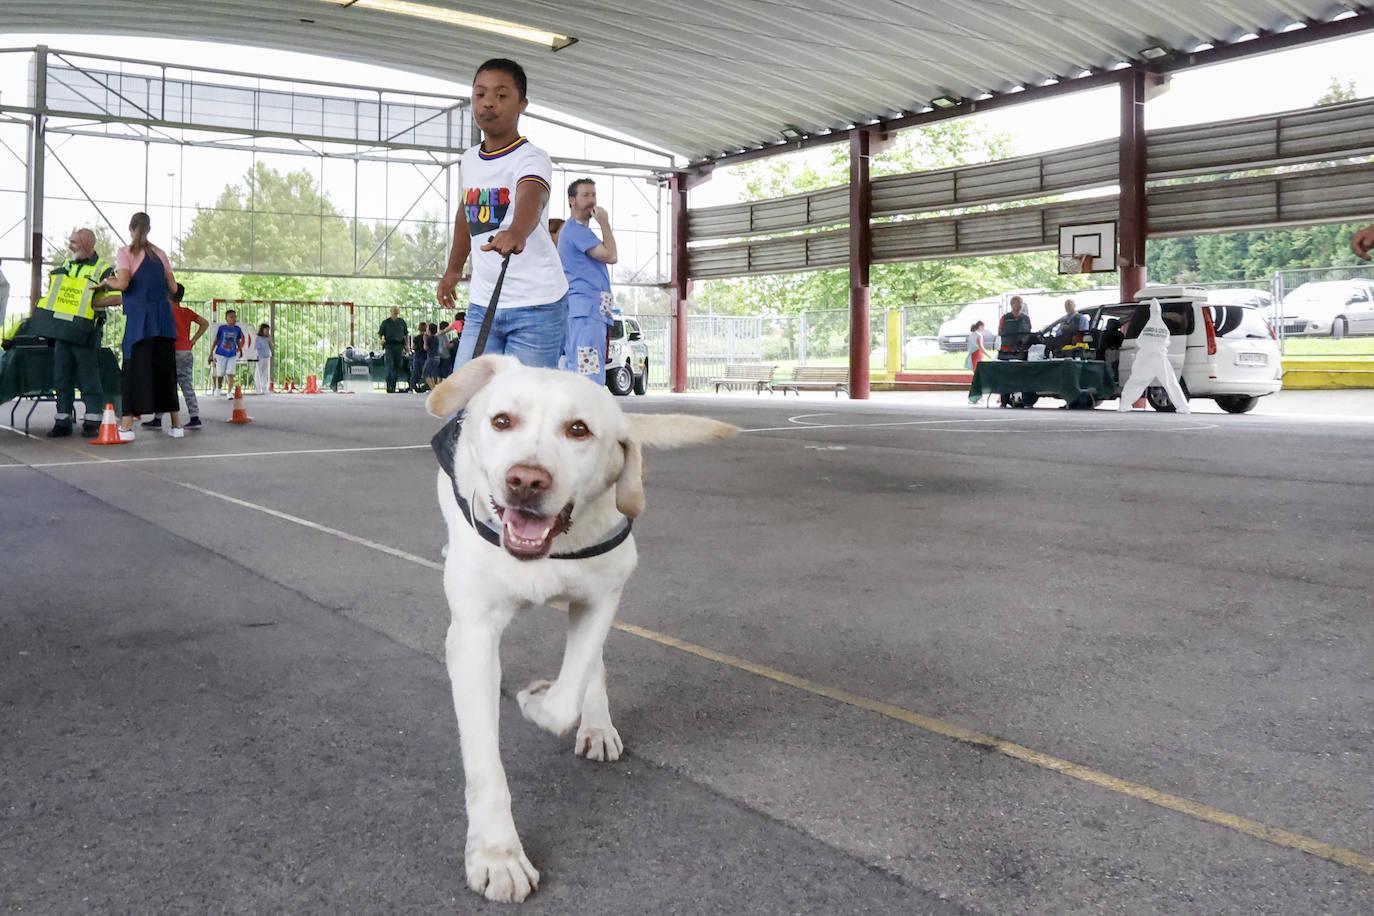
(486, 208)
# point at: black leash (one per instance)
(491, 308)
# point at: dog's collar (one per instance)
(445, 445)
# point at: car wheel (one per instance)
(641, 383)
(1339, 327)
(620, 380)
(1236, 403)
(1159, 399)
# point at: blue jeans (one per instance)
(533, 334)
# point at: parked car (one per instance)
(1329, 308)
(627, 358)
(914, 348)
(1224, 352)
(1240, 295)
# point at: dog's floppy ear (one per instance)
(629, 486)
(453, 393)
(658, 431)
(674, 430)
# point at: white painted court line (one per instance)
(158, 458)
(315, 526)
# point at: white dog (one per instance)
(546, 476)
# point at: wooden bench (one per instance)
(745, 375)
(816, 378)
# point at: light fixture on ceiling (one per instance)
(791, 133)
(1154, 52)
(944, 101)
(551, 40)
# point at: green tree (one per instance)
(1337, 92)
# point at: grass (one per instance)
(1326, 346)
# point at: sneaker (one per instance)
(58, 431)
(193, 423)
(126, 435)
(175, 432)
(154, 423)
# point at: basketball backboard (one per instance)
(1087, 248)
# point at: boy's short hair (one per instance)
(572, 188)
(231, 312)
(180, 291)
(510, 68)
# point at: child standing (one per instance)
(226, 350)
(504, 210)
(262, 348)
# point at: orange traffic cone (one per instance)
(109, 429)
(312, 385)
(240, 412)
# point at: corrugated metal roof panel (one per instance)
(707, 76)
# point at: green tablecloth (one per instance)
(1069, 379)
(27, 371)
(336, 370)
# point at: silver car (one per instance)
(1329, 308)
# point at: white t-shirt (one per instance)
(491, 182)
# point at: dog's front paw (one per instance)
(500, 873)
(599, 743)
(535, 705)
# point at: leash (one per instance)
(490, 314)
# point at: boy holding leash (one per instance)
(504, 211)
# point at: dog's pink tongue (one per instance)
(527, 527)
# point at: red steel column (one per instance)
(1133, 217)
(860, 257)
(680, 285)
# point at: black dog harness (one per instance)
(445, 445)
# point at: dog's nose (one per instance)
(526, 483)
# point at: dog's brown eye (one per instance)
(578, 430)
(501, 421)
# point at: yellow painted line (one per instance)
(1348, 857)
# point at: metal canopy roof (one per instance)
(706, 77)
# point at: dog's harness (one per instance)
(445, 445)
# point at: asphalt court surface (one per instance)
(901, 655)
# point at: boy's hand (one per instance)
(1361, 242)
(505, 242)
(448, 283)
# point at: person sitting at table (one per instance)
(1015, 330)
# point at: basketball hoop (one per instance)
(1075, 263)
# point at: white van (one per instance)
(1224, 352)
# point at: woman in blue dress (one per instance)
(144, 276)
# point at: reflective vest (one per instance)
(68, 312)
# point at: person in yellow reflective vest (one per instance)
(73, 315)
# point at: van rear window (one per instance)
(1177, 315)
(1237, 321)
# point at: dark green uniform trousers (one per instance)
(74, 365)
